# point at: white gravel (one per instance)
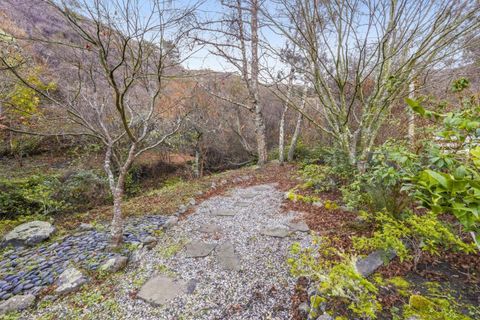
(260, 290)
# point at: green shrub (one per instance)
(32, 195)
(381, 185)
(84, 190)
(318, 177)
(451, 184)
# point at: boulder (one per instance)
(161, 289)
(29, 234)
(17, 303)
(70, 280)
(299, 226)
(114, 264)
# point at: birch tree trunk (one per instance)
(411, 115)
(298, 126)
(260, 128)
(281, 136)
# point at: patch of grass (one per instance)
(163, 269)
(172, 248)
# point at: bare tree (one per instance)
(235, 38)
(122, 55)
(362, 55)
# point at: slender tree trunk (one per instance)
(117, 221)
(281, 136)
(117, 190)
(298, 126)
(411, 115)
(281, 133)
(261, 133)
(260, 128)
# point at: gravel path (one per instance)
(227, 260)
(261, 286)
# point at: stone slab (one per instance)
(161, 289)
(209, 228)
(276, 231)
(199, 249)
(227, 257)
(224, 213)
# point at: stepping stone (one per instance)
(161, 289)
(262, 188)
(300, 226)
(249, 195)
(227, 257)
(242, 204)
(209, 228)
(224, 213)
(198, 249)
(277, 231)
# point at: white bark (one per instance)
(411, 115)
(298, 126)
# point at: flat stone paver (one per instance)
(160, 289)
(199, 249)
(224, 213)
(242, 204)
(210, 228)
(227, 257)
(277, 231)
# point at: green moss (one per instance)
(401, 285)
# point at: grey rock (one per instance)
(191, 202)
(170, 222)
(304, 309)
(325, 316)
(224, 213)
(85, 227)
(137, 255)
(227, 257)
(373, 261)
(276, 231)
(198, 249)
(114, 264)
(17, 303)
(160, 289)
(191, 286)
(149, 242)
(70, 280)
(182, 209)
(299, 226)
(318, 204)
(29, 233)
(209, 228)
